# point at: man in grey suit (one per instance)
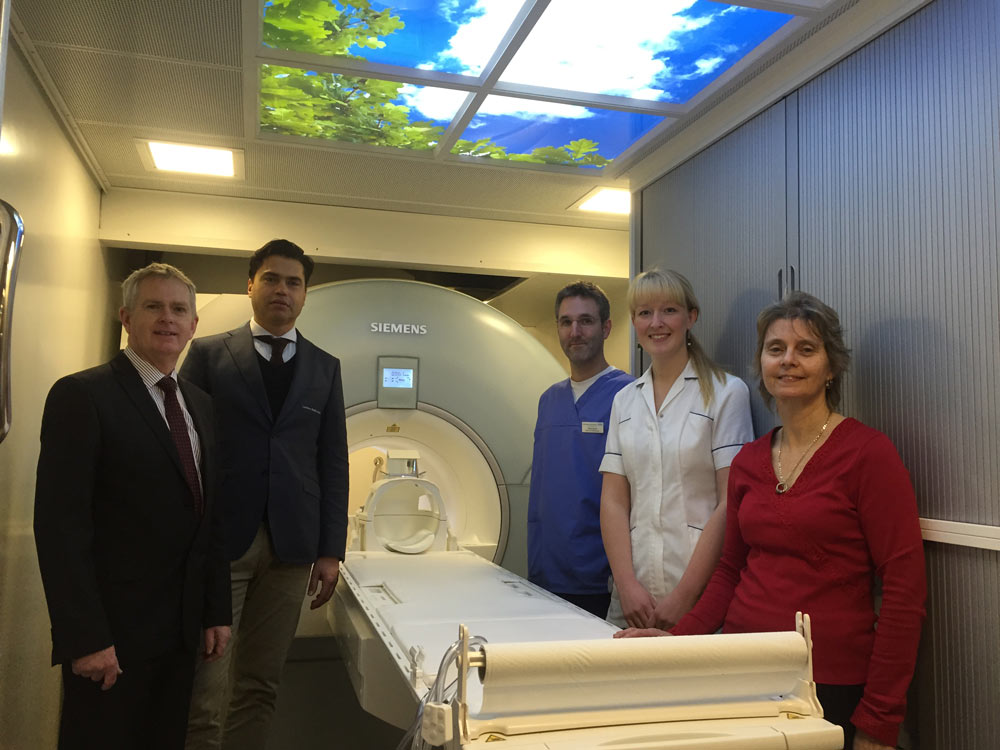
(279, 408)
(129, 542)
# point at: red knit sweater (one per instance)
(851, 515)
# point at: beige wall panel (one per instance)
(62, 322)
(531, 304)
(221, 225)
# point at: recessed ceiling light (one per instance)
(606, 201)
(180, 157)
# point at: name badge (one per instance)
(594, 427)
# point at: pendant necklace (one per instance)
(782, 486)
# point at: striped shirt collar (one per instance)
(147, 372)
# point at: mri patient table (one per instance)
(541, 674)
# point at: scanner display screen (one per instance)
(397, 377)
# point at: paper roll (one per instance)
(526, 678)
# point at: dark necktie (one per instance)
(179, 432)
(278, 345)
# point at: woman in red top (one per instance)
(818, 508)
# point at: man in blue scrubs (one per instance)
(565, 552)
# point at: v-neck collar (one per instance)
(835, 434)
(645, 385)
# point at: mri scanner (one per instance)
(438, 373)
(441, 393)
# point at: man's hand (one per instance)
(100, 666)
(324, 572)
(216, 640)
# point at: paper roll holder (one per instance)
(446, 720)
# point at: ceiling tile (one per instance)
(117, 89)
(197, 31)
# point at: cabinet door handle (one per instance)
(792, 286)
(781, 291)
(11, 233)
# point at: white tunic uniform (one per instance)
(670, 458)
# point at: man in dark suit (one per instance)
(129, 544)
(279, 409)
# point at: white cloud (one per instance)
(525, 108)
(707, 64)
(733, 9)
(449, 8)
(611, 56)
(477, 38)
(434, 103)
(442, 104)
(600, 49)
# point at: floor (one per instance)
(317, 708)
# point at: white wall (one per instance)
(62, 322)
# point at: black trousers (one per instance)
(839, 702)
(596, 604)
(146, 709)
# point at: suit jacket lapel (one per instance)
(133, 386)
(304, 354)
(240, 343)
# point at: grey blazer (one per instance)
(293, 464)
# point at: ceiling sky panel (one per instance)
(458, 36)
(547, 133)
(575, 56)
(661, 50)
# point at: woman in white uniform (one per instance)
(672, 435)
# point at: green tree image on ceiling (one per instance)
(322, 27)
(578, 153)
(340, 108)
(360, 109)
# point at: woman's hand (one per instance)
(640, 633)
(671, 608)
(864, 741)
(637, 605)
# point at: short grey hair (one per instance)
(130, 287)
(587, 290)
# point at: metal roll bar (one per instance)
(11, 234)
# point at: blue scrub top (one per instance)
(565, 549)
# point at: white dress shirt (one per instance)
(264, 348)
